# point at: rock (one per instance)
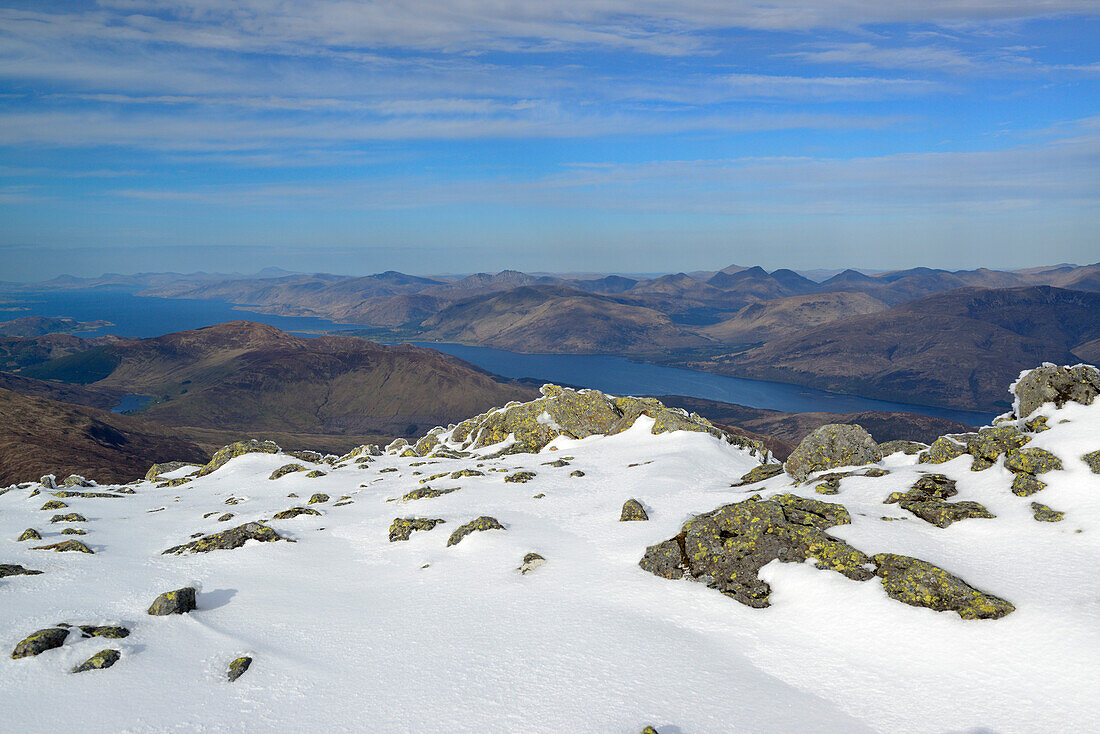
(831, 446)
(66, 546)
(920, 584)
(558, 463)
(649, 730)
(29, 534)
(1045, 514)
(989, 443)
(14, 569)
(726, 548)
(49, 481)
(75, 480)
(482, 523)
(1093, 461)
(759, 474)
(39, 642)
(157, 469)
(402, 527)
(316, 473)
(1038, 424)
(53, 505)
(909, 448)
(520, 477)
(310, 456)
(1025, 485)
(531, 561)
(74, 531)
(1031, 461)
(70, 517)
(228, 539)
(285, 469)
(295, 512)
(927, 500)
(111, 632)
(233, 450)
(942, 450)
(318, 499)
(177, 482)
(1053, 384)
(225, 517)
(99, 661)
(237, 668)
(180, 601)
(466, 473)
(427, 493)
(576, 473)
(91, 495)
(633, 511)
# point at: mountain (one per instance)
(60, 391)
(17, 352)
(608, 284)
(247, 376)
(557, 319)
(765, 320)
(956, 349)
(39, 436)
(30, 326)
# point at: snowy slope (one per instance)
(350, 632)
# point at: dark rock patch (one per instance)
(179, 601)
(101, 660)
(633, 511)
(228, 539)
(480, 524)
(402, 528)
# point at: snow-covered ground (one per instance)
(350, 632)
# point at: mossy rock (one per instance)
(1092, 459)
(520, 477)
(633, 511)
(990, 443)
(227, 539)
(315, 474)
(466, 473)
(233, 450)
(318, 499)
(177, 482)
(1025, 485)
(1038, 424)
(178, 601)
(101, 660)
(54, 505)
(157, 469)
(759, 474)
(727, 547)
(1032, 461)
(311, 456)
(67, 493)
(927, 500)
(74, 531)
(75, 480)
(109, 631)
(1043, 513)
(237, 668)
(531, 561)
(1059, 385)
(285, 469)
(477, 525)
(67, 546)
(557, 463)
(831, 446)
(424, 493)
(69, 517)
(39, 642)
(295, 512)
(921, 584)
(226, 517)
(402, 528)
(909, 448)
(576, 473)
(14, 569)
(29, 534)
(942, 450)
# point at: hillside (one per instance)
(17, 352)
(764, 320)
(248, 376)
(40, 436)
(955, 349)
(25, 326)
(548, 589)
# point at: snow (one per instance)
(351, 632)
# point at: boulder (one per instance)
(989, 443)
(237, 668)
(49, 481)
(157, 469)
(228, 539)
(39, 642)
(520, 477)
(99, 661)
(75, 480)
(633, 511)
(1031, 461)
(74, 531)
(909, 448)
(70, 517)
(759, 474)
(111, 632)
(402, 528)
(943, 449)
(831, 446)
(316, 474)
(233, 450)
(927, 500)
(14, 569)
(920, 584)
(66, 546)
(53, 505)
(29, 534)
(180, 601)
(1092, 459)
(318, 499)
(295, 512)
(1025, 485)
(480, 524)
(310, 456)
(427, 493)
(531, 561)
(1043, 513)
(1053, 384)
(285, 469)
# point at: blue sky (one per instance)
(462, 135)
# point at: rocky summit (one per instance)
(540, 551)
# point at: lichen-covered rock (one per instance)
(1043, 513)
(909, 448)
(237, 668)
(633, 511)
(727, 547)
(318, 499)
(576, 473)
(424, 493)
(66, 493)
(831, 446)
(1053, 384)
(480, 524)
(402, 528)
(311, 456)
(53, 505)
(225, 517)
(759, 474)
(170, 466)
(650, 730)
(295, 512)
(1092, 459)
(48, 481)
(177, 482)
(285, 469)
(363, 451)
(75, 480)
(927, 500)
(531, 561)
(178, 601)
(464, 473)
(228, 539)
(315, 474)
(109, 631)
(99, 661)
(68, 546)
(1025, 485)
(520, 477)
(920, 584)
(70, 517)
(556, 463)
(943, 449)
(29, 534)
(1032, 461)
(233, 450)
(74, 531)
(989, 443)
(39, 642)
(14, 569)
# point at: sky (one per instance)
(435, 136)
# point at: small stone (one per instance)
(538, 496)
(482, 523)
(909, 448)
(65, 546)
(759, 474)
(317, 499)
(1025, 485)
(520, 477)
(467, 473)
(402, 528)
(114, 633)
(531, 561)
(285, 469)
(556, 463)
(180, 601)
(39, 642)
(295, 512)
(427, 493)
(74, 531)
(1046, 514)
(14, 569)
(315, 474)
(237, 668)
(71, 517)
(576, 473)
(1093, 461)
(53, 505)
(228, 539)
(99, 661)
(633, 511)
(29, 534)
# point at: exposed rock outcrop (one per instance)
(477, 525)
(402, 528)
(39, 642)
(228, 539)
(179, 601)
(633, 511)
(99, 661)
(927, 499)
(831, 446)
(920, 584)
(1053, 384)
(233, 450)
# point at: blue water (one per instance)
(130, 403)
(137, 316)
